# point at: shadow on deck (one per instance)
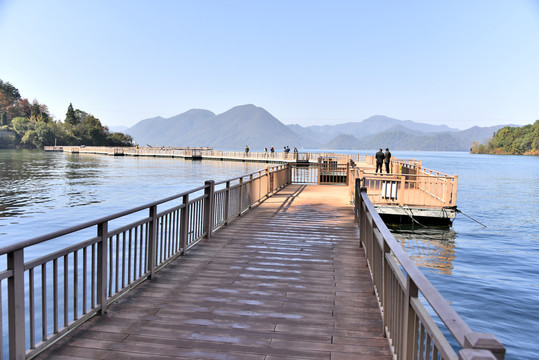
(285, 281)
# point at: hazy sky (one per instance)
(458, 62)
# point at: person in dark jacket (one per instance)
(379, 161)
(387, 158)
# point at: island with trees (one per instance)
(25, 124)
(511, 140)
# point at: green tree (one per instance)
(41, 135)
(20, 125)
(3, 119)
(70, 115)
(9, 91)
(119, 139)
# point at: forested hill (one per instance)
(512, 141)
(25, 124)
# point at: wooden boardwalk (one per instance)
(285, 281)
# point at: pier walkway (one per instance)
(286, 280)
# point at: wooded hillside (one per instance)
(29, 125)
(512, 140)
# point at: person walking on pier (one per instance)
(387, 158)
(246, 150)
(379, 161)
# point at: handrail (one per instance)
(96, 270)
(398, 286)
(56, 234)
(203, 152)
(418, 187)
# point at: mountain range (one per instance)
(254, 126)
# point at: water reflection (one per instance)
(430, 248)
(42, 191)
(30, 180)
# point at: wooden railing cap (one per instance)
(478, 340)
(475, 354)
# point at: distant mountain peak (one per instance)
(253, 125)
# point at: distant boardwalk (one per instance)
(285, 281)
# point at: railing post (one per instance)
(208, 207)
(454, 190)
(357, 196)
(403, 191)
(362, 217)
(289, 180)
(267, 175)
(241, 197)
(227, 202)
(484, 341)
(319, 172)
(102, 266)
(250, 191)
(17, 345)
(409, 337)
(184, 223)
(152, 240)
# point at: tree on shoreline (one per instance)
(511, 141)
(33, 126)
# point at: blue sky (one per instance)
(460, 63)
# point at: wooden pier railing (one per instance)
(202, 152)
(51, 294)
(408, 183)
(55, 292)
(400, 288)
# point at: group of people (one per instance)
(382, 158)
(286, 150)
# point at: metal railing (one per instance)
(400, 286)
(54, 293)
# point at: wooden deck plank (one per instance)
(286, 280)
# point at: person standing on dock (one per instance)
(379, 161)
(387, 158)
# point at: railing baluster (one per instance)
(55, 295)
(117, 265)
(66, 291)
(75, 285)
(94, 288)
(32, 310)
(44, 309)
(123, 259)
(110, 268)
(102, 265)
(84, 280)
(131, 260)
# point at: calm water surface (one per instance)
(489, 274)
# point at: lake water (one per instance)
(490, 275)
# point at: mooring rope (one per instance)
(411, 215)
(470, 218)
